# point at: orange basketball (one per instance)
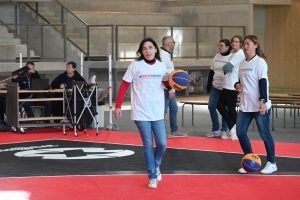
(251, 162)
(179, 80)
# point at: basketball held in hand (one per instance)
(179, 80)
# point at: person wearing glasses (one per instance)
(215, 85)
(168, 44)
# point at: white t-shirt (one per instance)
(166, 59)
(232, 77)
(217, 66)
(147, 90)
(249, 74)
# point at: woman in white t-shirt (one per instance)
(215, 87)
(254, 94)
(146, 75)
(228, 98)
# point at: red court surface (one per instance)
(173, 186)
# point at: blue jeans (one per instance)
(46, 104)
(172, 104)
(263, 124)
(153, 159)
(212, 107)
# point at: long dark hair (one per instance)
(139, 52)
(258, 50)
(227, 43)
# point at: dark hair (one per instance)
(227, 43)
(258, 51)
(238, 37)
(139, 52)
(29, 63)
(72, 63)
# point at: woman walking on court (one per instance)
(254, 103)
(227, 102)
(145, 75)
(215, 87)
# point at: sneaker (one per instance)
(242, 171)
(213, 134)
(223, 133)
(158, 174)
(233, 133)
(225, 136)
(169, 135)
(153, 184)
(178, 133)
(269, 168)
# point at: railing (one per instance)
(121, 41)
(39, 47)
(32, 34)
(192, 42)
(66, 16)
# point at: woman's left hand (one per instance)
(263, 108)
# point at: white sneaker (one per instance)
(178, 133)
(213, 134)
(223, 133)
(233, 133)
(225, 136)
(169, 135)
(153, 184)
(269, 168)
(158, 174)
(242, 171)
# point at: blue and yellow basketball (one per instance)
(251, 163)
(179, 80)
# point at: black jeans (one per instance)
(228, 98)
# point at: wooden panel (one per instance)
(13, 104)
(282, 45)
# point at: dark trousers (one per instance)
(46, 104)
(228, 98)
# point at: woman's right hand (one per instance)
(117, 113)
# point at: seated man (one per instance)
(25, 83)
(64, 80)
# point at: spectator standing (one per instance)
(168, 44)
